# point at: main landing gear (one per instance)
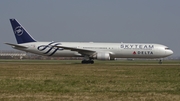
(87, 62)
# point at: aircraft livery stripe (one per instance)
(51, 48)
(54, 52)
(45, 46)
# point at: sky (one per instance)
(134, 21)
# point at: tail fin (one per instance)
(22, 36)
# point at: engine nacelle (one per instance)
(102, 56)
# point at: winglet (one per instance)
(22, 36)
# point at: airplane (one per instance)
(88, 50)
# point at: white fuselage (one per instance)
(88, 50)
(116, 50)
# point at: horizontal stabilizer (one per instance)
(16, 45)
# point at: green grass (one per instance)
(29, 80)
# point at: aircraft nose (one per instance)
(169, 52)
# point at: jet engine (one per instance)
(102, 56)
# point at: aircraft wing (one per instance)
(16, 45)
(79, 50)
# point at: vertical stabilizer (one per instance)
(22, 36)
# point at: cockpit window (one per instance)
(167, 48)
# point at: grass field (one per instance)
(51, 80)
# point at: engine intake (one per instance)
(102, 56)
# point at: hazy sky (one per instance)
(139, 21)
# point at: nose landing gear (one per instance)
(160, 61)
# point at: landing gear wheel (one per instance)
(83, 61)
(92, 62)
(87, 62)
(160, 61)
